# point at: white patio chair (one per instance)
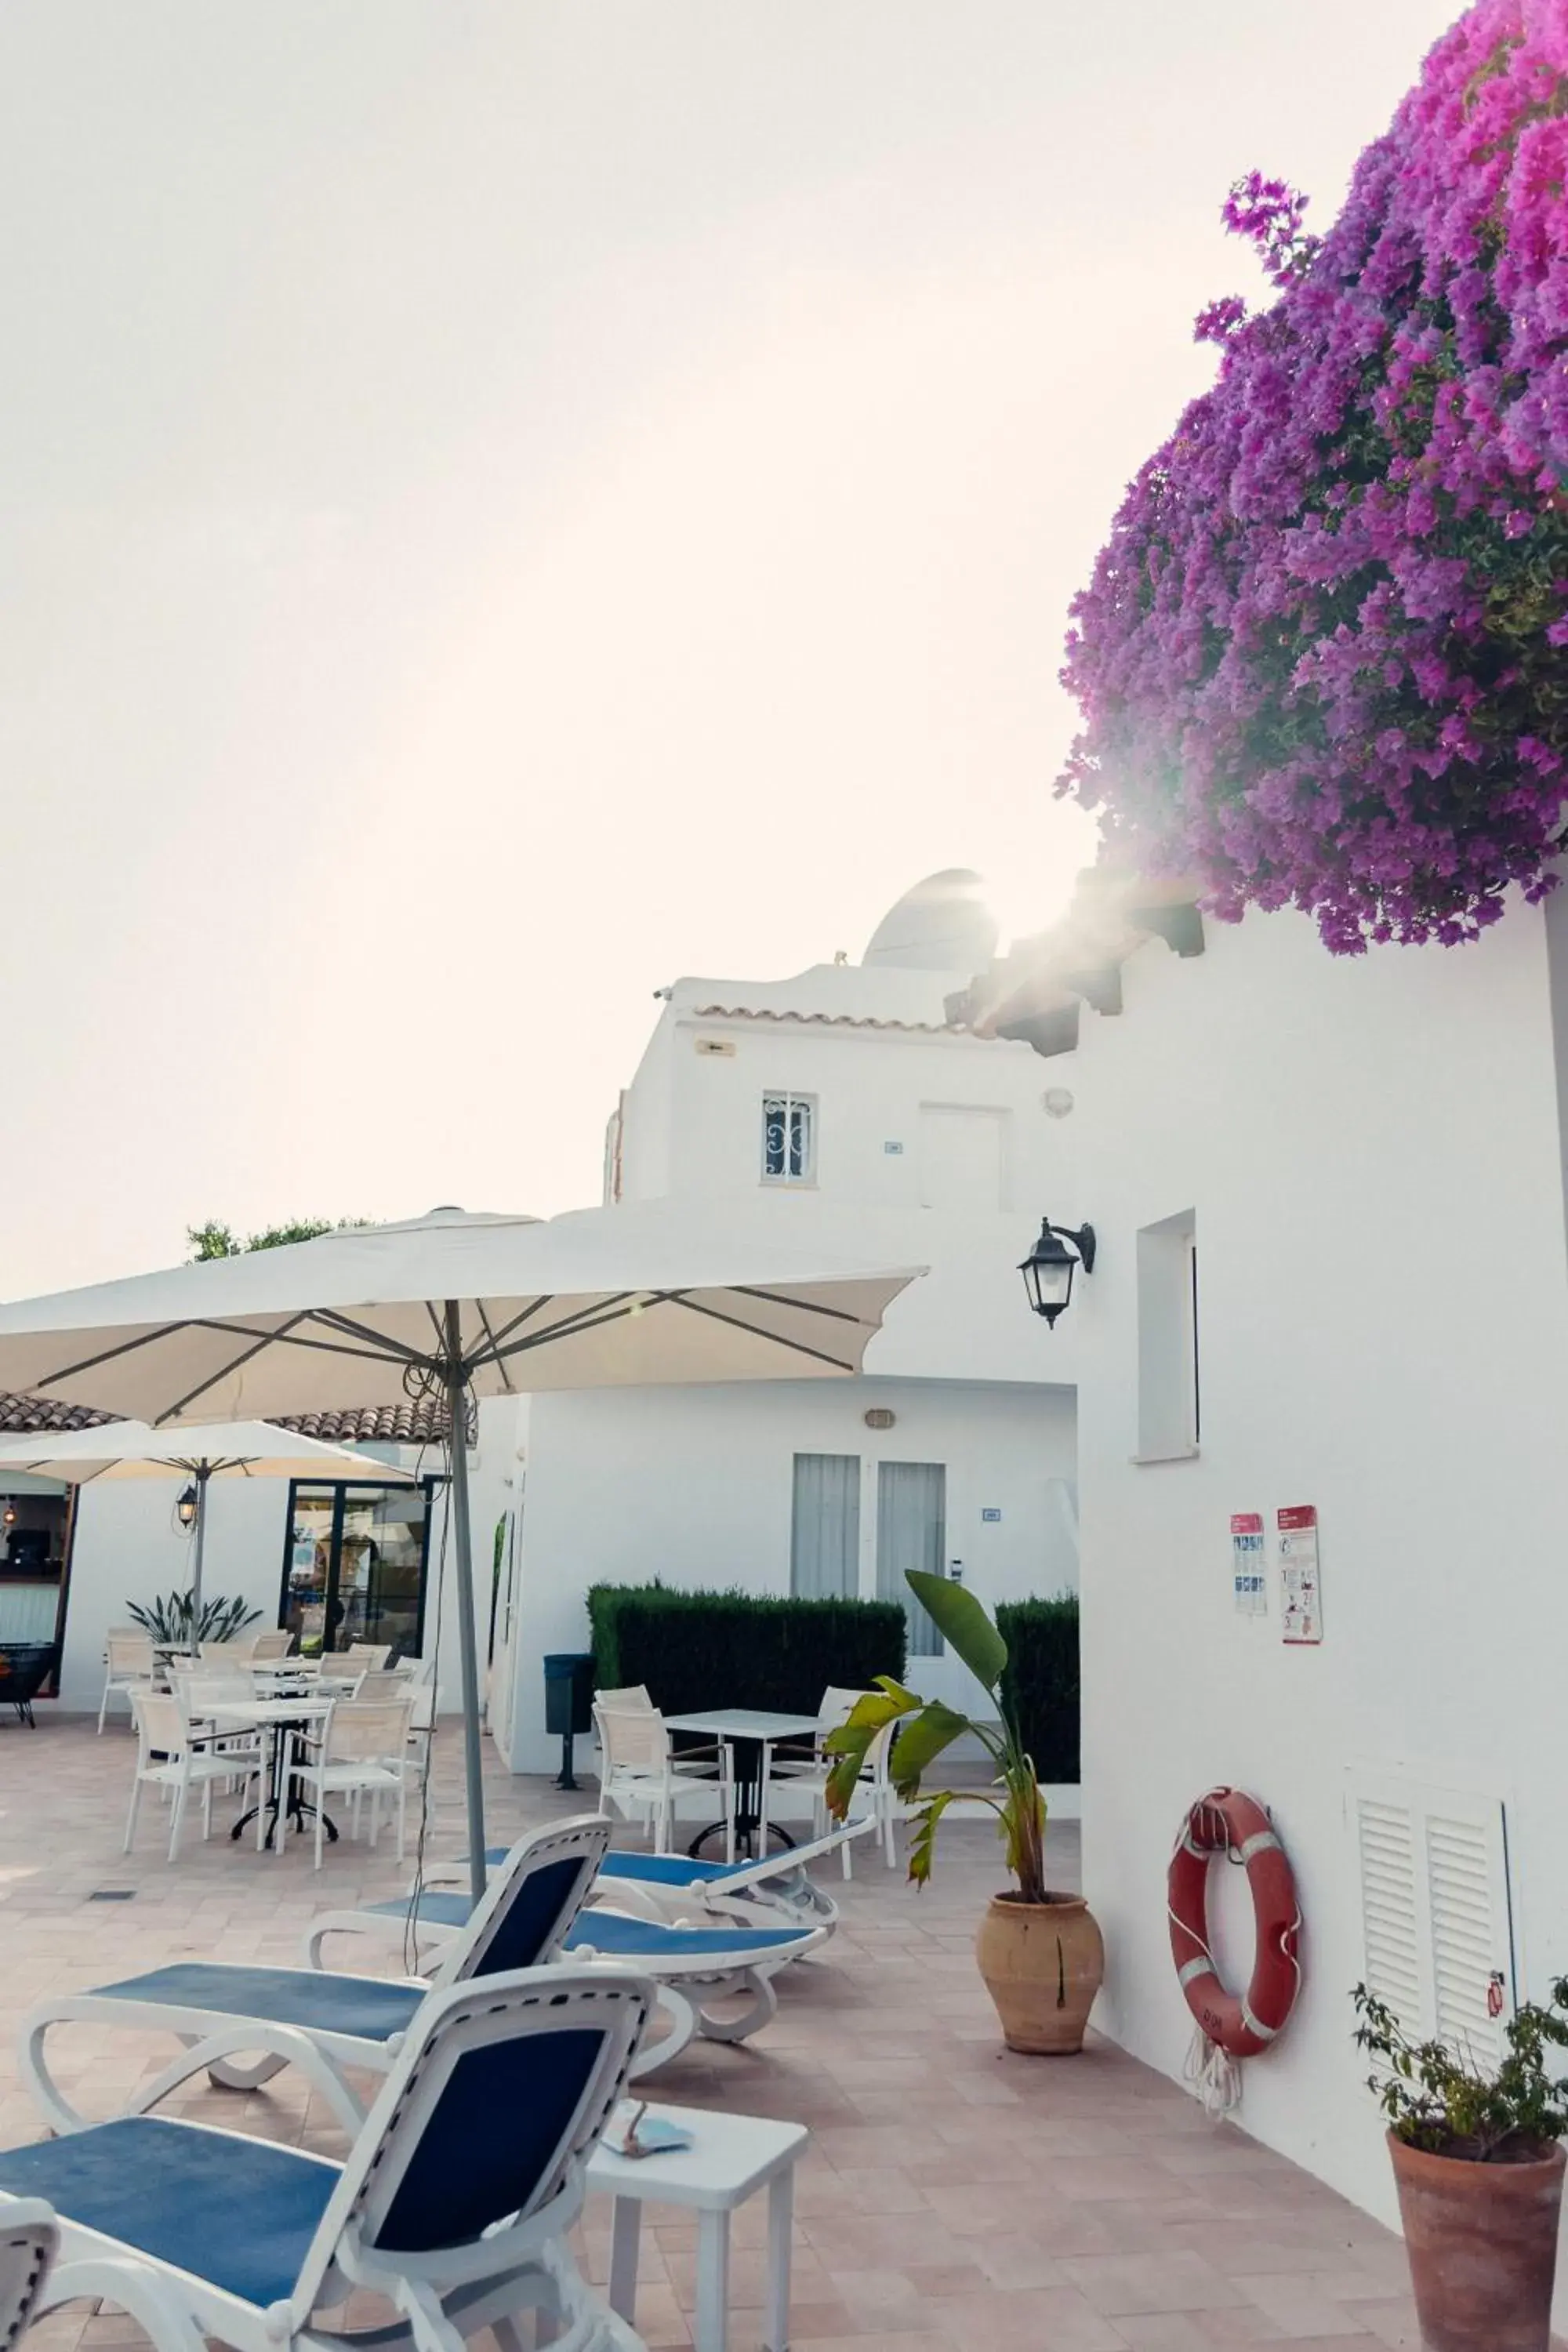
(360, 1750)
(274, 1644)
(173, 1756)
(220, 1654)
(129, 1665)
(242, 2025)
(421, 1729)
(641, 1776)
(458, 2225)
(201, 1692)
(874, 1797)
(368, 1657)
(630, 1695)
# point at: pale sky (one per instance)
(506, 504)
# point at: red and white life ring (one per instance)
(1228, 1822)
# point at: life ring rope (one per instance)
(1231, 2026)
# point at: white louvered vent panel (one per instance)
(1462, 1866)
(1388, 1908)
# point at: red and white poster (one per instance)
(1248, 1568)
(1300, 1579)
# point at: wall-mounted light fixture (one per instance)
(8, 1516)
(185, 1509)
(1049, 1269)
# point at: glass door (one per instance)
(912, 1532)
(354, 1564)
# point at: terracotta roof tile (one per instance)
(823, 1020)
(371, 1424)
(19, 1416)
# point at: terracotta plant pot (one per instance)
(1043, 1964)
(1483, 2242)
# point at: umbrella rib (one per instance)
(243, 1356)
(390, 1350)
(523, 1315)
(586, 1319)
(106, 1356)
(774, 1339)
(797, 1305)
(490, 1336)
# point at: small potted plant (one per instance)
(1479, 2166)
(168, 1620)
(1039, 1952)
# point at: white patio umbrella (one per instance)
(232, 1449)
(457, 1306)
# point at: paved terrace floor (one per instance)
(955, 2198)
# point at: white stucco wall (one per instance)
(695, 1486)
(1371, 1150)
(692, 1117)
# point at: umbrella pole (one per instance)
(468, 1641)
(202, 1475)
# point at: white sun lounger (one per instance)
(700, 1967)
(454, 2203)
(28, 2243)
(242, 2025)
(667, 1885)
(775, 1891)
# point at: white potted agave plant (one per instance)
(1039, 1951)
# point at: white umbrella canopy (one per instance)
(459, 1306)
(230, 1449)
(639, 1294)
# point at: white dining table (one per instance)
(276, 1717)
(753, 1732)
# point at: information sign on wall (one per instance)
(1248, 1568)
(1300, 1586)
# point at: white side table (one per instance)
(730, 2159)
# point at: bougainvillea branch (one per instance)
(1323, 659)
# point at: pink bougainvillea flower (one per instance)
(1321, 658)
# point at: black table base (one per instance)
(748, 1809)
(285, 1797)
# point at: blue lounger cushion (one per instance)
(370, 2008)
(240, 2213)
(668, 1869)
(607, 1931)
(441, 1910)
(643, 1939)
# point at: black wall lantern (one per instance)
(185, 1509)
(1047, 1271)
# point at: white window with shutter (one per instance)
(1439, 1945)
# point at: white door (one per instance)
(962, 1158)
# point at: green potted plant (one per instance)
(1039, 1952)
(168, 1621)
(1479, 2165)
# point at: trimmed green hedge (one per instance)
(697, 1650)
(1041, 1680)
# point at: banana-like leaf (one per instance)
(962, 1623)
(921, 1741)
(849, 1743)
(922, 1838)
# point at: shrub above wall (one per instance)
(700, 1650)
(1041, 1680)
